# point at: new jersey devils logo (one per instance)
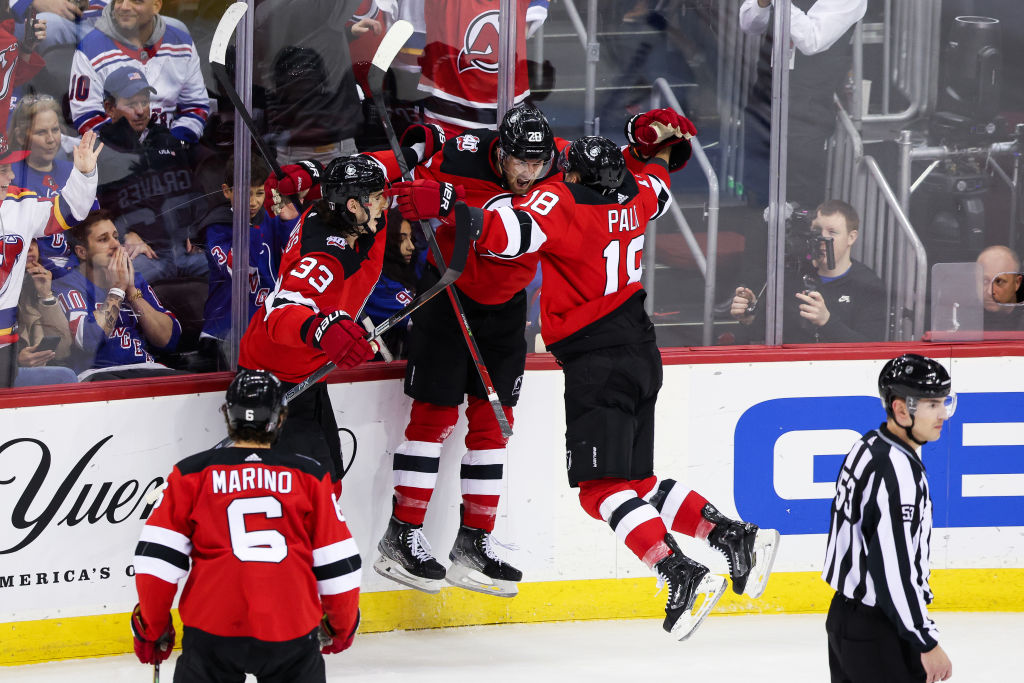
(10, 249)
(480, 44)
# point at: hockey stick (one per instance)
(395, 38)
(218, 64)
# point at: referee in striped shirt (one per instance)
(877, 557)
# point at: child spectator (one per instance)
(268, 235)
(396, 287)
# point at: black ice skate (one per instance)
(405, 557)
(475, 567)
(687, 582)
(749, 550)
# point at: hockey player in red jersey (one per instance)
(330, 265)
(492, 167)
(589, 231)
(274, 573)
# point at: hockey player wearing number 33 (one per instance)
(329, 267)
(275, 572)
(589, 231)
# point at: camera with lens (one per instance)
(804, 246)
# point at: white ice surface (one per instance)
(727, 649)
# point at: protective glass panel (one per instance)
(956, 302)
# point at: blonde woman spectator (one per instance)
(40, 321)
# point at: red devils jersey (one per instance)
(469, 161)
(320, 272)
(591, 245)
(460, 61)
(266, 538)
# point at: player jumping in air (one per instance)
(589, 231)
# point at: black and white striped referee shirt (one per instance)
(880, 534)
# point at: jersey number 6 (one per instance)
(265, 545)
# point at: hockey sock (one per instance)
(483, 466)
(634, 521)
(679, 507)
(417, 459)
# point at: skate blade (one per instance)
(461, 576)
(390, 569)
(766, 545)
(711, 588)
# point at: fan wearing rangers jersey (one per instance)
(492, 167)
(460, 62)
(25, 216)
(589, 231)
(275, 573)
(115, 317)
(879, 543)
(132, 33)
(329, 267)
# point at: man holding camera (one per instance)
(844, 303)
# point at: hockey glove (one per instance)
(424, 139)
(148, 649)
(299, 177)
(330, 642)
(339, 337)
(425, 199)
(654, 130)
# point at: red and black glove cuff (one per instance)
(314, 327)
(426, 139)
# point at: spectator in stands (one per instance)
(40, 318)
(146, 180)
(36, 127)
(396, 287)
(20, 62)
(820, 62)
(268, 235)
(114, 315)
(841, 304)
(1003, 293)
(302, 61)
(132, 33)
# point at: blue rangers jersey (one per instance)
(268, 236)
(79, 298)
(171, 66)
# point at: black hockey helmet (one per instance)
(910, 377)
(524, 133)
(353, 177)
(254, 401)
(597, 160)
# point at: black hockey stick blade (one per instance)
(396, 36)
(218, 65)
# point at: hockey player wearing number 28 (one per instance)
(589, 231)
(275, 572)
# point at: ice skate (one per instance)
(405, 558)
(749, 550)
(475, 567)
(692, 591)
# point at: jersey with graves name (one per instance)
(591, 244)
(79, 298)
(469, 160)
(266, 540)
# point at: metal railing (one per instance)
(909, 35)
(737, 69)
(887, 242)
(705, 262)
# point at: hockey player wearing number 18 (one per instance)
(589, 231)
(275, 572)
